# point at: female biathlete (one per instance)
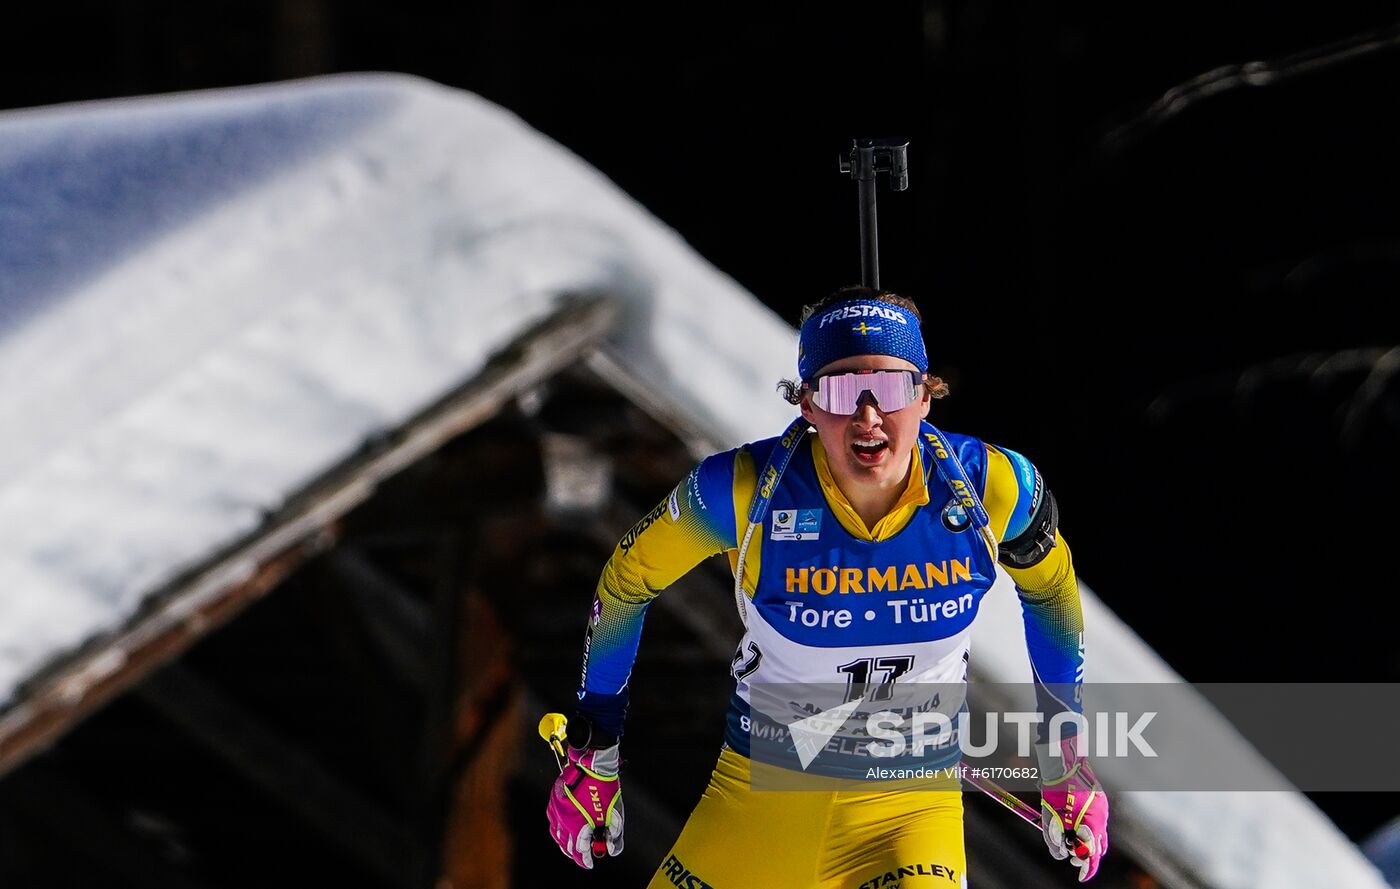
(877, 501)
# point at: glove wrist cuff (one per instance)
(1058, 762)
(583, 734)
(602, 763)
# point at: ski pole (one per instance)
(553, 730)
(1021, 808)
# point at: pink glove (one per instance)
(1074, 801)
(585, 805)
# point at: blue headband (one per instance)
(859, 327)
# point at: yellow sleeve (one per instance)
(694, 522)
(1004, 492)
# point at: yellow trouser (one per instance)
(738, 838)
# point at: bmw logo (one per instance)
(955, 517)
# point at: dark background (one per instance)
(1187, 322)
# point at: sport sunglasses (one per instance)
(840, 393)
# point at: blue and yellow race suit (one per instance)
(823, 589)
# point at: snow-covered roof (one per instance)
(206, 299)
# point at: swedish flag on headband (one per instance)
(859, 327)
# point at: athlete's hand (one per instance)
(1074, 804)
(585, 805)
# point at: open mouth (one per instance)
(869, 450)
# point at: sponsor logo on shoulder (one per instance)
(692, 489)
(1036, 494)
(796, 524)
(630, 539)
(1024, 469)
(673, 505)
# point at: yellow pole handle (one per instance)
(553, 730)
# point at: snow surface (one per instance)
(205, 299)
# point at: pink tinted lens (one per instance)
(840, 393)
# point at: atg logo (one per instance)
(770, 481)
(939, 450)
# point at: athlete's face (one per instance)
(870, 447)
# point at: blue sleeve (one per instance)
(1029, 487)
